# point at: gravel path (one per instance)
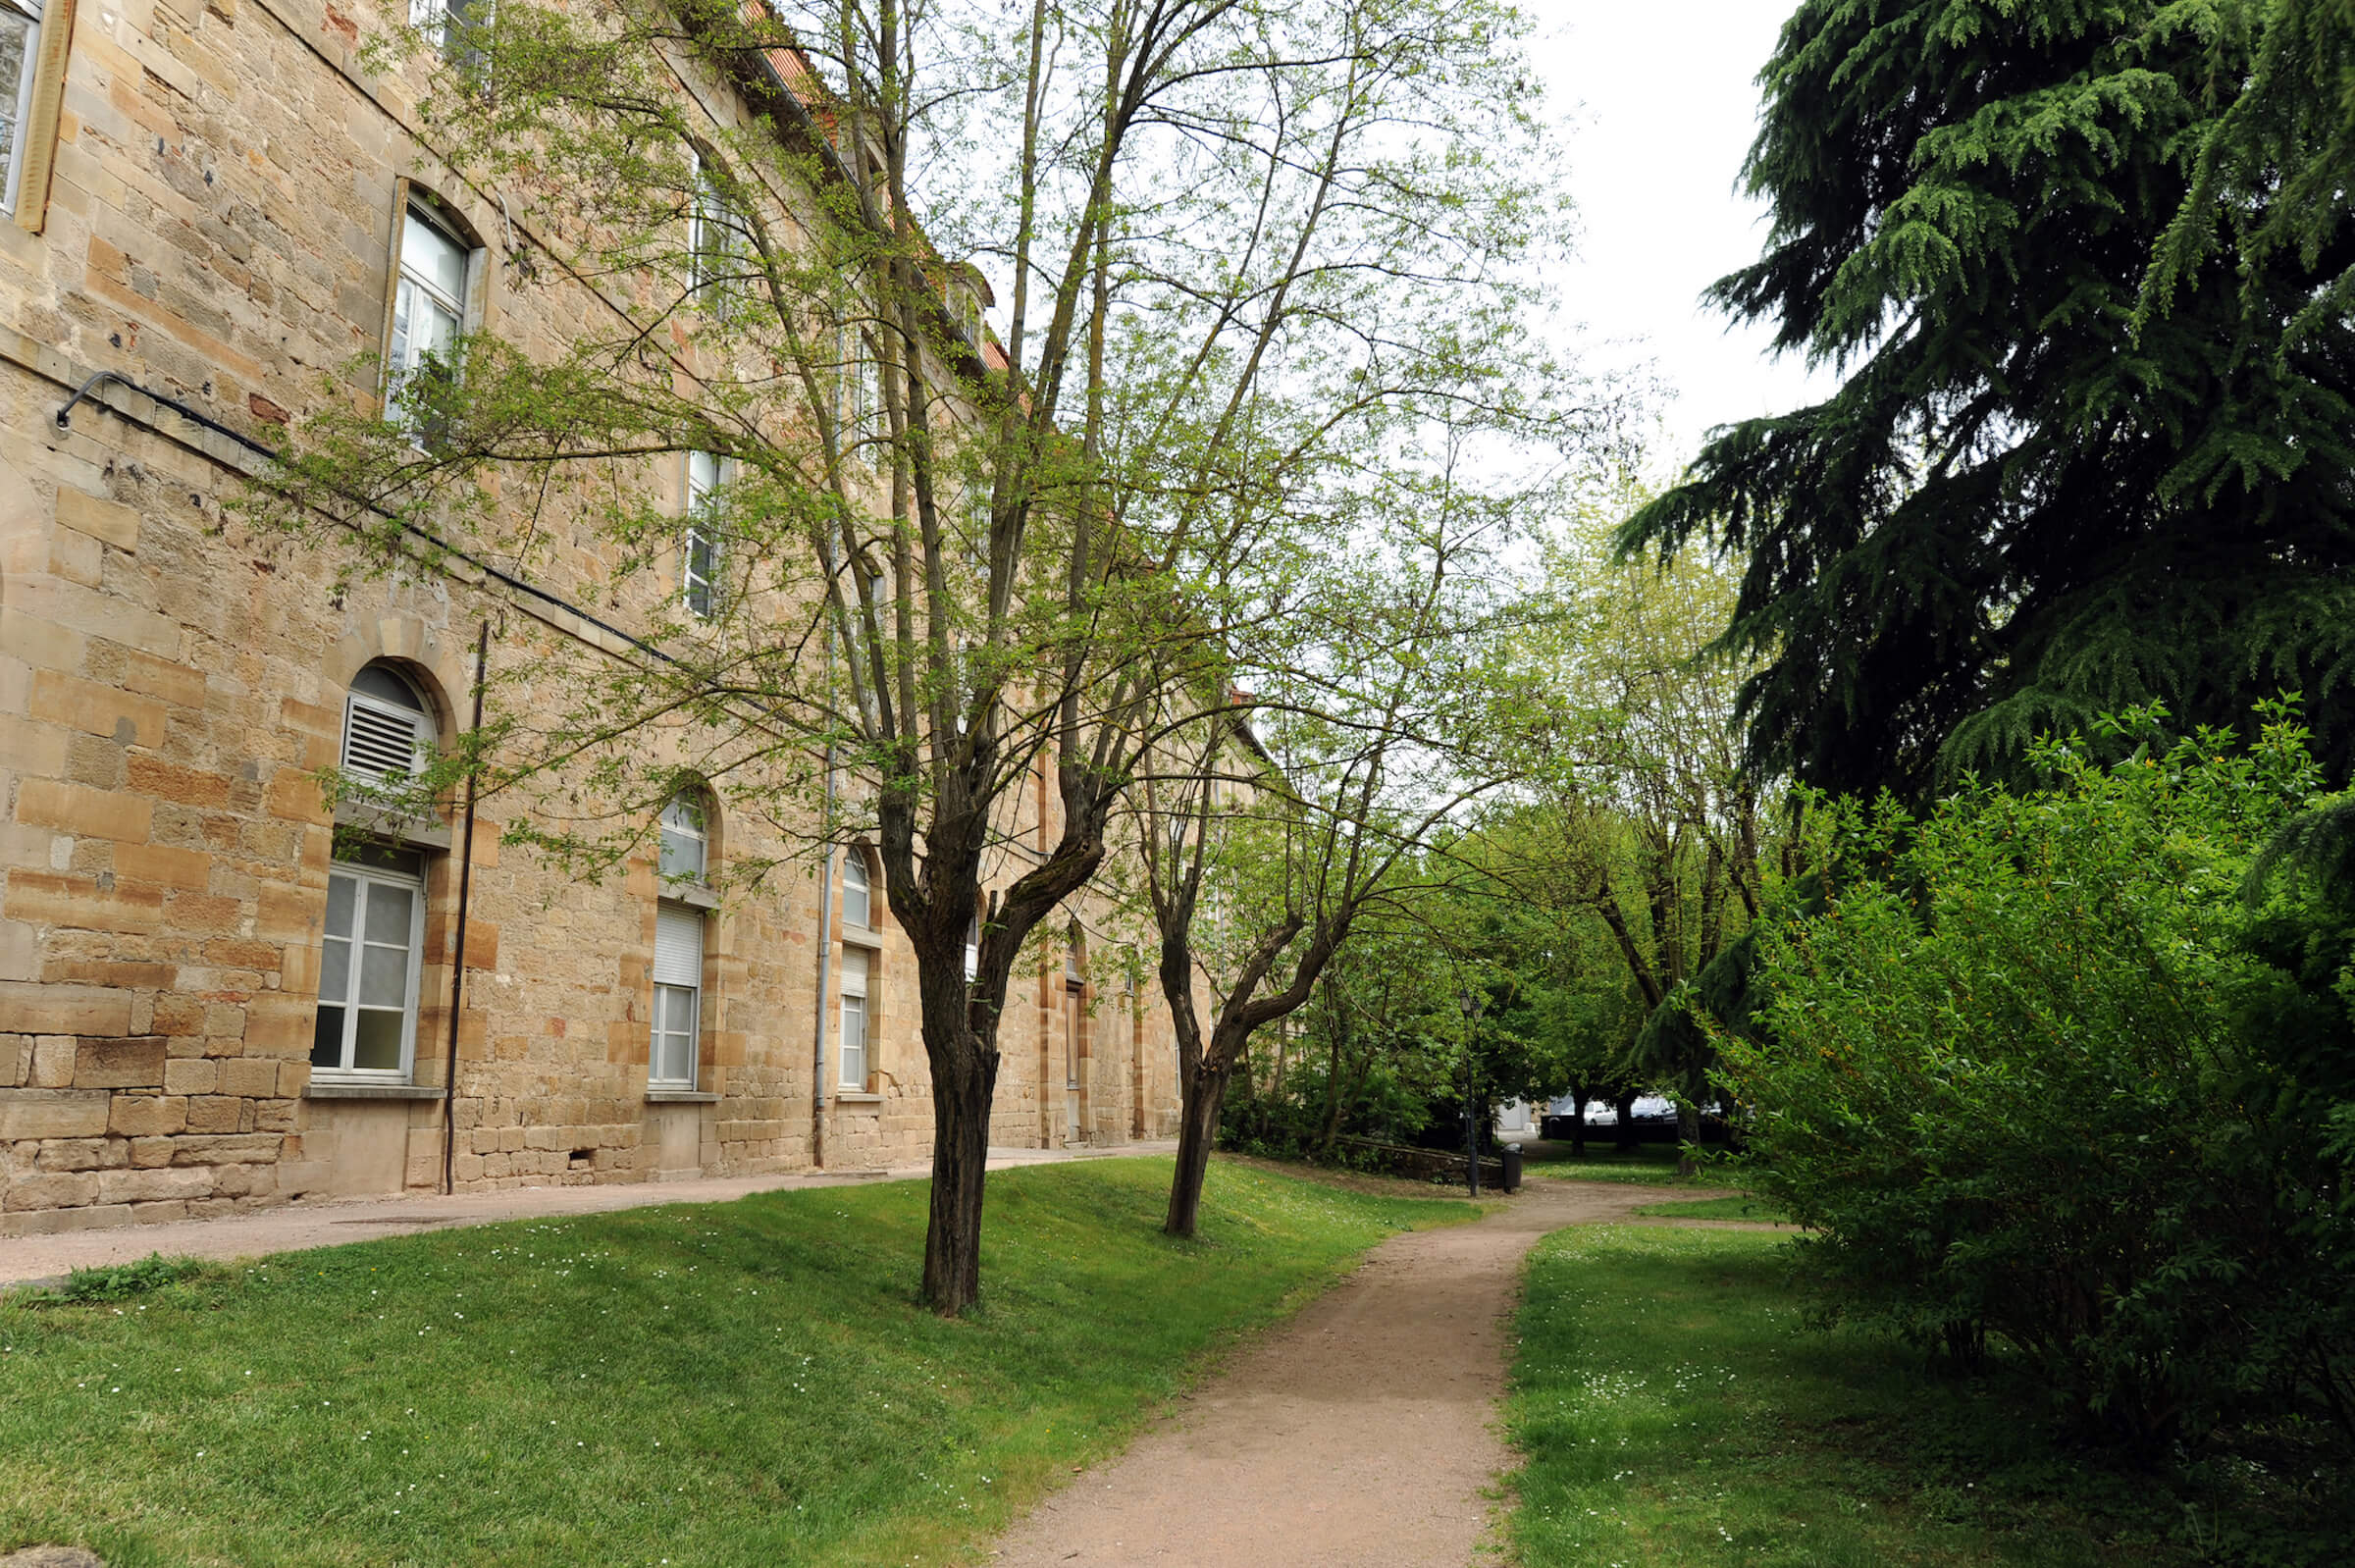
(1358, 1434)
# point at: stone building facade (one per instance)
(207, 204)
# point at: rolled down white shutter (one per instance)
(678, 946)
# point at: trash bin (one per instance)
(1512, 1166)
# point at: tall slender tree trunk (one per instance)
(1202, 1094)
(1578, 1120)
(1624, 1104)
(1688, 1132)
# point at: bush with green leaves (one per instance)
(2041, 1080)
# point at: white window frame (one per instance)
(668, 997)
(700, 588)
(858, 973)
(719, 242)
(12, 177)
(404, 362)
(363, 877)
(854, 866)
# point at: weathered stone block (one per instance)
(146, 1115)
(244, 1180)
(191, 1076)
(123, 815)
(53, 1060)
(243, 1076)
(52, 1113)
(148, 1153)
(136, 1062)
(179, 1014)
(56, 1189)
(160, 1185)
(83, 1154)
(219, 1112)
(33, 1007)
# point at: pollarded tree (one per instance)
(881, 565)
(2024, 507)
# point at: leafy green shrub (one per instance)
(2038, 1079)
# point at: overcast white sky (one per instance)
(1662, 106)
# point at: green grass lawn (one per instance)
(745, 1383)
(1736, 1206)
(1644, 1163)
(1673, 1411)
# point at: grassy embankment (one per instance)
(745, 1383)
(1673, 1412)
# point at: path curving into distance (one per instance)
(1357, 1435)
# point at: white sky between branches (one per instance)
(1660, 105)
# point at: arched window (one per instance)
(388, 728)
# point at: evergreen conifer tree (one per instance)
(2027, 503)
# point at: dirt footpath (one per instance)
(1356, 1435)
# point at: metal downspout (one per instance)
(458, 962)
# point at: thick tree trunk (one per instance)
(1201, 1097)
(1688, 1132)
(961, 1099)
(1625, 1106)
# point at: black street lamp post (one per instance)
(1471, 1113)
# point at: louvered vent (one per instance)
(379, 742)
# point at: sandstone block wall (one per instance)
(220, 230)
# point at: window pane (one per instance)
(335, 969)
(854, 1042)
(857, 905)
(389, 912)
(376, 1043)
(339, 891)
(683, 838)
(384, 976)
(682, 856)
(853, 972)
(327, 1039)
(433, 256)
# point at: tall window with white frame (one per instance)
(720, 249)
(679, 927)
(701, 563)
(19, 56)
(856, 967)
(429, 308)
(373, 944)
